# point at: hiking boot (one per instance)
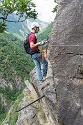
(42, 82)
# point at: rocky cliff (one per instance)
(67, 61)
(63, 88)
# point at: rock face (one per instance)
(63, 87)
(28, 116)
(66, 56)
(65, 105)
(49, 102)
(16, 84)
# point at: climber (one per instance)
(37, 56)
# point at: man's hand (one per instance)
(42, 43)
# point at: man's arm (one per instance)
(32, 45)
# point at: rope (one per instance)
(31, 103)
(44, 54)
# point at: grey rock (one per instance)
(65, 105)
(27, 115)
(66, 48)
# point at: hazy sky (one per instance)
(44, 9)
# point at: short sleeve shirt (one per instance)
(32, 38)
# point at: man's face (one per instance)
(36, 29)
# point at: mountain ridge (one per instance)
(21, 29)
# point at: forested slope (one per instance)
(13, 58)
(15, 66)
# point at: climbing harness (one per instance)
(44, 51)
(44, 54)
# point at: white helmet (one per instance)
(34, 24)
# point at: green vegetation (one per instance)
(80, 69)
(12, 115)
(13, 59)
(41, 115)
(55, 8)
(8, 94)
(2, 109)
(14, 62)
(2, 26)
(23, 8)
(44, 35)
